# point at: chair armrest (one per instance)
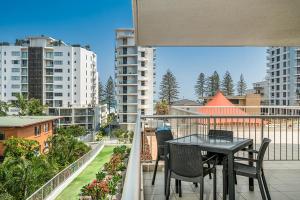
(249, 150)
(245, 159)
(214, 157)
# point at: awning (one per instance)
(217, 22)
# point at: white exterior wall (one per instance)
(283, 70)
(139, 98)
(8, 86)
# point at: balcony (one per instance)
(281, 160)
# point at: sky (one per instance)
(94, 22)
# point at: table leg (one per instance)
(231, 183)
(250, 156)
(225, 180)
(166, 151)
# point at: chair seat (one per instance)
(244, 169)
(206, 171)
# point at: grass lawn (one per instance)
(87, 175)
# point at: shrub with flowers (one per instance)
(97, 190)
(108, 182)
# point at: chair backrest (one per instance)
(261, 153)
(185, 160)
(221, 133)
(162, 135)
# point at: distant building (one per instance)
(134, 78)
(283, 69)
(243, 101)
(61, 76)
(262, 88)
(37, 128)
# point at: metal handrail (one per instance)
(40, 194)
(132, 184)
(216, 116)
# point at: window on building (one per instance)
(143, 54)
(277, 87)
(277, 66)
(277, 80)
(124, 60)
(58, 62)
(143, 63)
(58, 53)
(57, 78)
(2, 135)
(37, 130)
(277, 51)
(46, 127)
(278, 58)
(284, 94)
(284, 87)
(143, 92)
(124, 41)
(15, 62)
(58, 94)
(143, 102)
(284, 64)
(15, 53)
(15, 78)
(142, 73)
(284, 56)
(15, 69)
(14, 86)
(58, 86)
(142, 83)
(278, 73)
(284, 72)
(58, 70)
(142, 111)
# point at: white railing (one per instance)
(132, 184)
(61, 177)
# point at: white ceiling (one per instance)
(217, 22)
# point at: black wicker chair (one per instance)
(185, 163)
(255, 171)
(162, 135)
(222, 134)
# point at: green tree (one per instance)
(200, 86)
(162, 107)
(28, 107)
(64, 149)
(73, 130)
(109, 93)
(21, 103)
(241, 86)
(213, 84)
(16, 147)
(24, 170)
(35, 107)
(3, 108)
(227, 84)
(101, 93)
(169, 88)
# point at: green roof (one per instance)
(21, 121)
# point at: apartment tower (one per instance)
(63, 77)
(283, 75)
(134, 78)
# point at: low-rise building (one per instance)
(37, 128)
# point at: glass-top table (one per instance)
(224, 145)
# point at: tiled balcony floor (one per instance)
(283, 179)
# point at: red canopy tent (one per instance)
(219, 105)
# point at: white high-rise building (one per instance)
(134, 78)
(283, 75)
(61, 76)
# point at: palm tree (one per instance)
(3, 108)
(21, 103)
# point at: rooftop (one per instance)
(22, 121)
